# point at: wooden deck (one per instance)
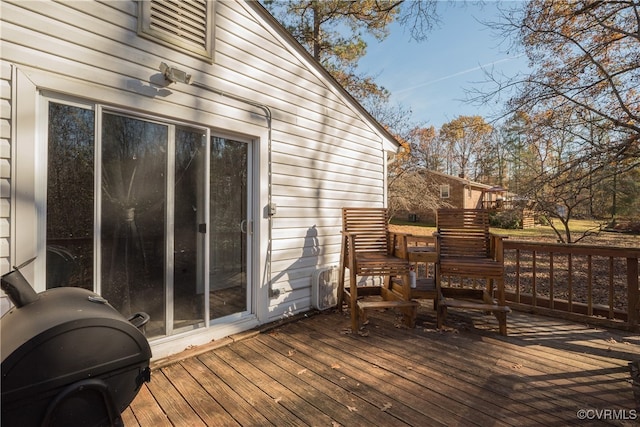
(312, 372)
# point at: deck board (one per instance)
(146, 410)
(240, 409)
(249, 390)
(336, 401)
(203, 404)
(176, 406)
(312, 372)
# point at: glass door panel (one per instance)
(228, 221)
(134, 165)
(189, 219)
(70, 201)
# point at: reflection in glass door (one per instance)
(230, 227)
(133, 216)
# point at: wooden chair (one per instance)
(467, 250)
(367, 251)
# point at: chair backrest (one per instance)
(371, 225)
(463, 233)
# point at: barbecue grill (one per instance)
(68, 357)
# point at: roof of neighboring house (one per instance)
(461, 180)
(496, 189)
(390, 142)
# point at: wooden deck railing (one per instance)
(593, 284)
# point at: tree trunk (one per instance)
(316, 33)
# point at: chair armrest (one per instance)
(437, 236)
(497, 248)
(398, 244)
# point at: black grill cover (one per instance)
(68, 336)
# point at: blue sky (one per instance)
(430, 77)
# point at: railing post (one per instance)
(633, 292)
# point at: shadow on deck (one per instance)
(311, 371)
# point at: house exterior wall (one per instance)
(318, 153)
(463, 194)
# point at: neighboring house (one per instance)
(210, 202)
(453, 192)
(458, 192)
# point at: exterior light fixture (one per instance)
(174, 75)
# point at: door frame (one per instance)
(28, 86)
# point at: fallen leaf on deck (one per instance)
(302, 371)
(386, 406)
(352, 408)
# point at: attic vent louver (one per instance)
(186, 24)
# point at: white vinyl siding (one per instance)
(325, 154)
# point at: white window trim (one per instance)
(445, 191)
(24, 156)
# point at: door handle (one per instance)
(245, 226)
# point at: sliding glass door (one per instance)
(153, 215)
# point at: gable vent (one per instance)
(186, 24)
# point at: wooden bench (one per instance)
(368, 251)
(467, 250)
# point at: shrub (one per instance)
(509, 220)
